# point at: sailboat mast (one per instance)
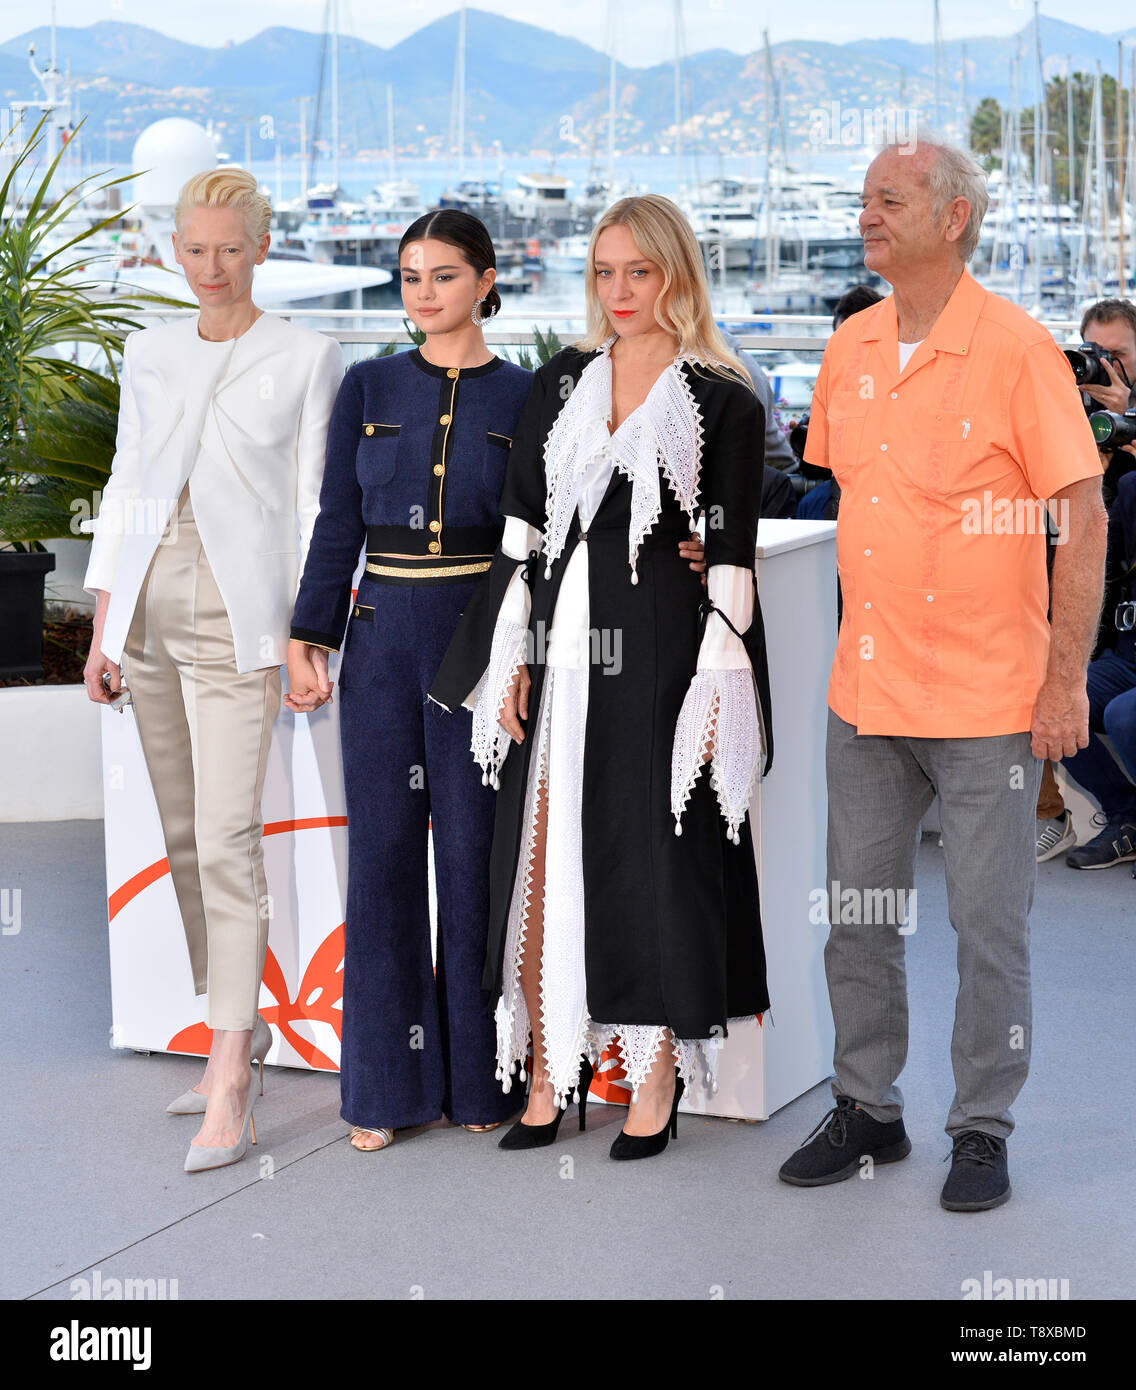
(335, 92)
(937, 46)
(1120, 94)
(1072, 148)
(768, 157)
(461, 94)
(611, 99)
(1039, 143)
(1098, 111)
(390, 128)
(678, 92)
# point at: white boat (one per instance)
(538, 197)
(396, 200)
(568, 255)
(788, 292)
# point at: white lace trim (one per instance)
(663, 434)
(512, 1015)
(639, 1045)
(567, 1030)
(489, 742)
(720, 709)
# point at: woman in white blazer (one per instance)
(198, 545)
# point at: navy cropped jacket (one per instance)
(416, 459)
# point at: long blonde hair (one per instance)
(663, 235)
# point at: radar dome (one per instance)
(169, 151)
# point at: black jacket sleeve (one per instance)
(733, 465)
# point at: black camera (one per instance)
(1088, 361)
(1111, 430)
(797, 437)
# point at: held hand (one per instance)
(1114, 397)
(308, 683)
(1060, 725)
(93, 677)
(319, 662)
(516, 706)
(694, 551)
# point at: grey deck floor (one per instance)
(94, 1180)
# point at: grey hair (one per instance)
(954, 174)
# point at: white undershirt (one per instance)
(905, 351)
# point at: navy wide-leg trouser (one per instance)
(416, 1044)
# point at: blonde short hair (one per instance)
(663, 235)
(229, 187)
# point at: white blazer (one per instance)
(246, 422)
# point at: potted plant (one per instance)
(58, 419)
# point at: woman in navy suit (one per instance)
(415, 464)
(416, 457)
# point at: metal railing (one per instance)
(388, 327)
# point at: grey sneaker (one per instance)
(1055, 835)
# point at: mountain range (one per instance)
(526, 87)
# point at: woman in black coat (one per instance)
(623, 891)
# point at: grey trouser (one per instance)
(205, 732)
(879, 789)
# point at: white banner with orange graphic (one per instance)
(305, 855)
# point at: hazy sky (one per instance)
(643, 27)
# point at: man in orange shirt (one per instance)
(950, 419)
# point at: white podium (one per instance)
(764, 1066)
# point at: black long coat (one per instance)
(672, 923)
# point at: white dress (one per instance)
(661, 437)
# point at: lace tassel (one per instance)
(490, 743)
(720, 708)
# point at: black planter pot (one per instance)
(21, 613)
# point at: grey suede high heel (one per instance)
(201, 1157)
(194, 1102)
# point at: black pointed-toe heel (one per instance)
(647, 1145)
(523, 1136)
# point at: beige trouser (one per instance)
(205, 733)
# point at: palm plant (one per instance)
(547, 345)
(57, 418)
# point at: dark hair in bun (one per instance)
(471, 237)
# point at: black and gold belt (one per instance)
(426, 569)
(408, 555)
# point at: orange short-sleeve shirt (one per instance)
(944, 469)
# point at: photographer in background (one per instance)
(1105, 369)
(1110, 326)
(1111, 684)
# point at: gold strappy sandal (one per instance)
(481, 1129)
(387, 1136)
